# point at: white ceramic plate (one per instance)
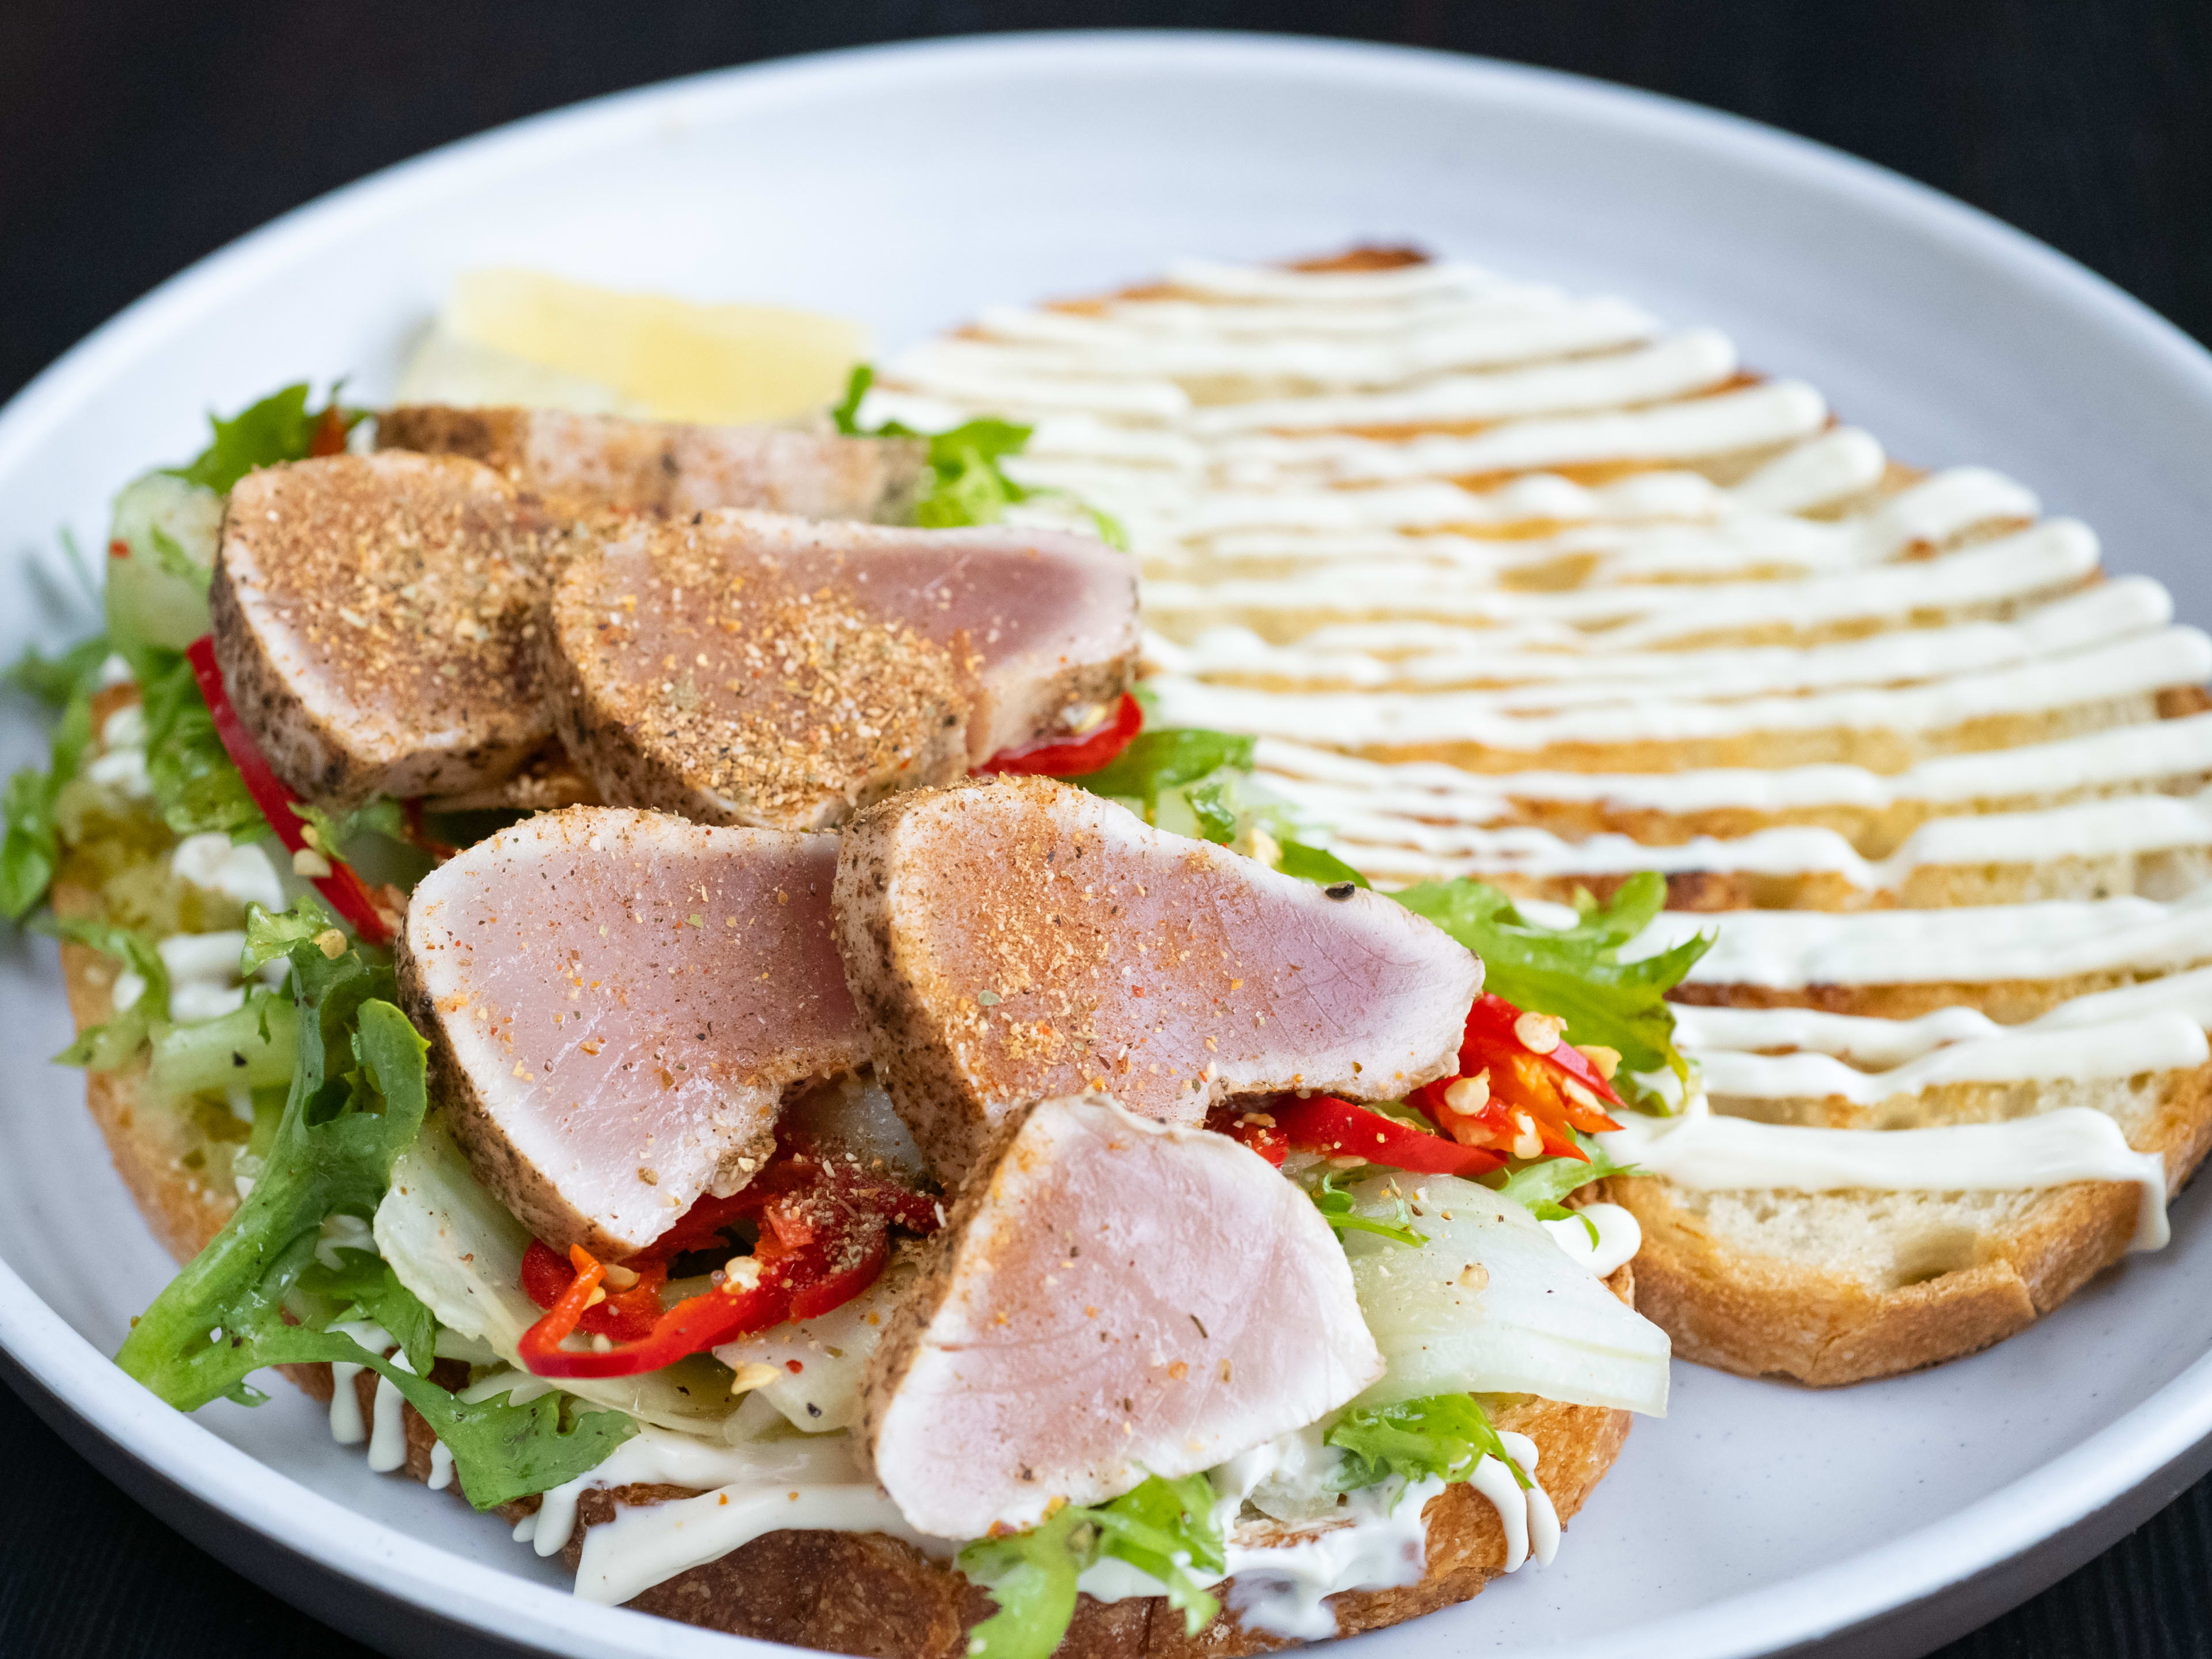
(912, 185)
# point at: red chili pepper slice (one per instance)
(345, 891)
(1523, 1095)
(1322, 1123)
(330, 436)
(418, 831)
(824, 1236)
(1260, 1132)
(1074, 757)
(626, 1316)
(695, 1323)
(1492, 1018)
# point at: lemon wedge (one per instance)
(518, 337)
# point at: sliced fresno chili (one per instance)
(348, 895)
(1322, 1123)
(1492, 1025)
(824, 1237)
(1257, 1131)
(1074, 757)
(1514, 1097)
(625, 1315)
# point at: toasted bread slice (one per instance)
(669, 468)
(867, 1594)
(1838, 1287)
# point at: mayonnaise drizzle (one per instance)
(1975, 944)
(1223, 415)
(1702, 1150)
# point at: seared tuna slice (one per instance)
(666, 467)
(748, 668)
(373, 618)
(1110, 1299)
(616, 1002)
(1015, 938)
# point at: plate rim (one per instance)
(2091, 1483)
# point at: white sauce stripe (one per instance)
(1353, 656)
(1705, 1152)
(1972, 945)
(1401, 849)
(2150, 756)
(2129, 668)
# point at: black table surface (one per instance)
(137, 135)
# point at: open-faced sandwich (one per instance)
(662, 971)
(1527, 587)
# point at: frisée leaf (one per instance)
(968, 485)
(1576, 972)
(1443, 1435)
(30, 851)
(1163, 1527)
(279, 427)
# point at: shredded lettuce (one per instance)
(54, 680)
(1576, 972)
(1164, 1528)
(1445, 1435)
(968, 485)
(256, 1296)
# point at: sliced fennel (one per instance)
(831, 1353)
(456, 1248)
(1491, 1304)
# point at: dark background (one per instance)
(137, 135)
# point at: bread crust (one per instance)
(870, 1595)
(1764, 1316)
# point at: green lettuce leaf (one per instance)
(332, 835)
(366, 1288)
(1445, 1435)
(280, 428)
(968, 485)
(1167, 758)
(1340, 1211)
(253, 1044)
(1316, 865)
(116, 1043)
(1535, 1185)
(1216, 815)
(1164, 1528)
(30, 851)
(54, 680)
(357, 1098)
(1575, 973)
